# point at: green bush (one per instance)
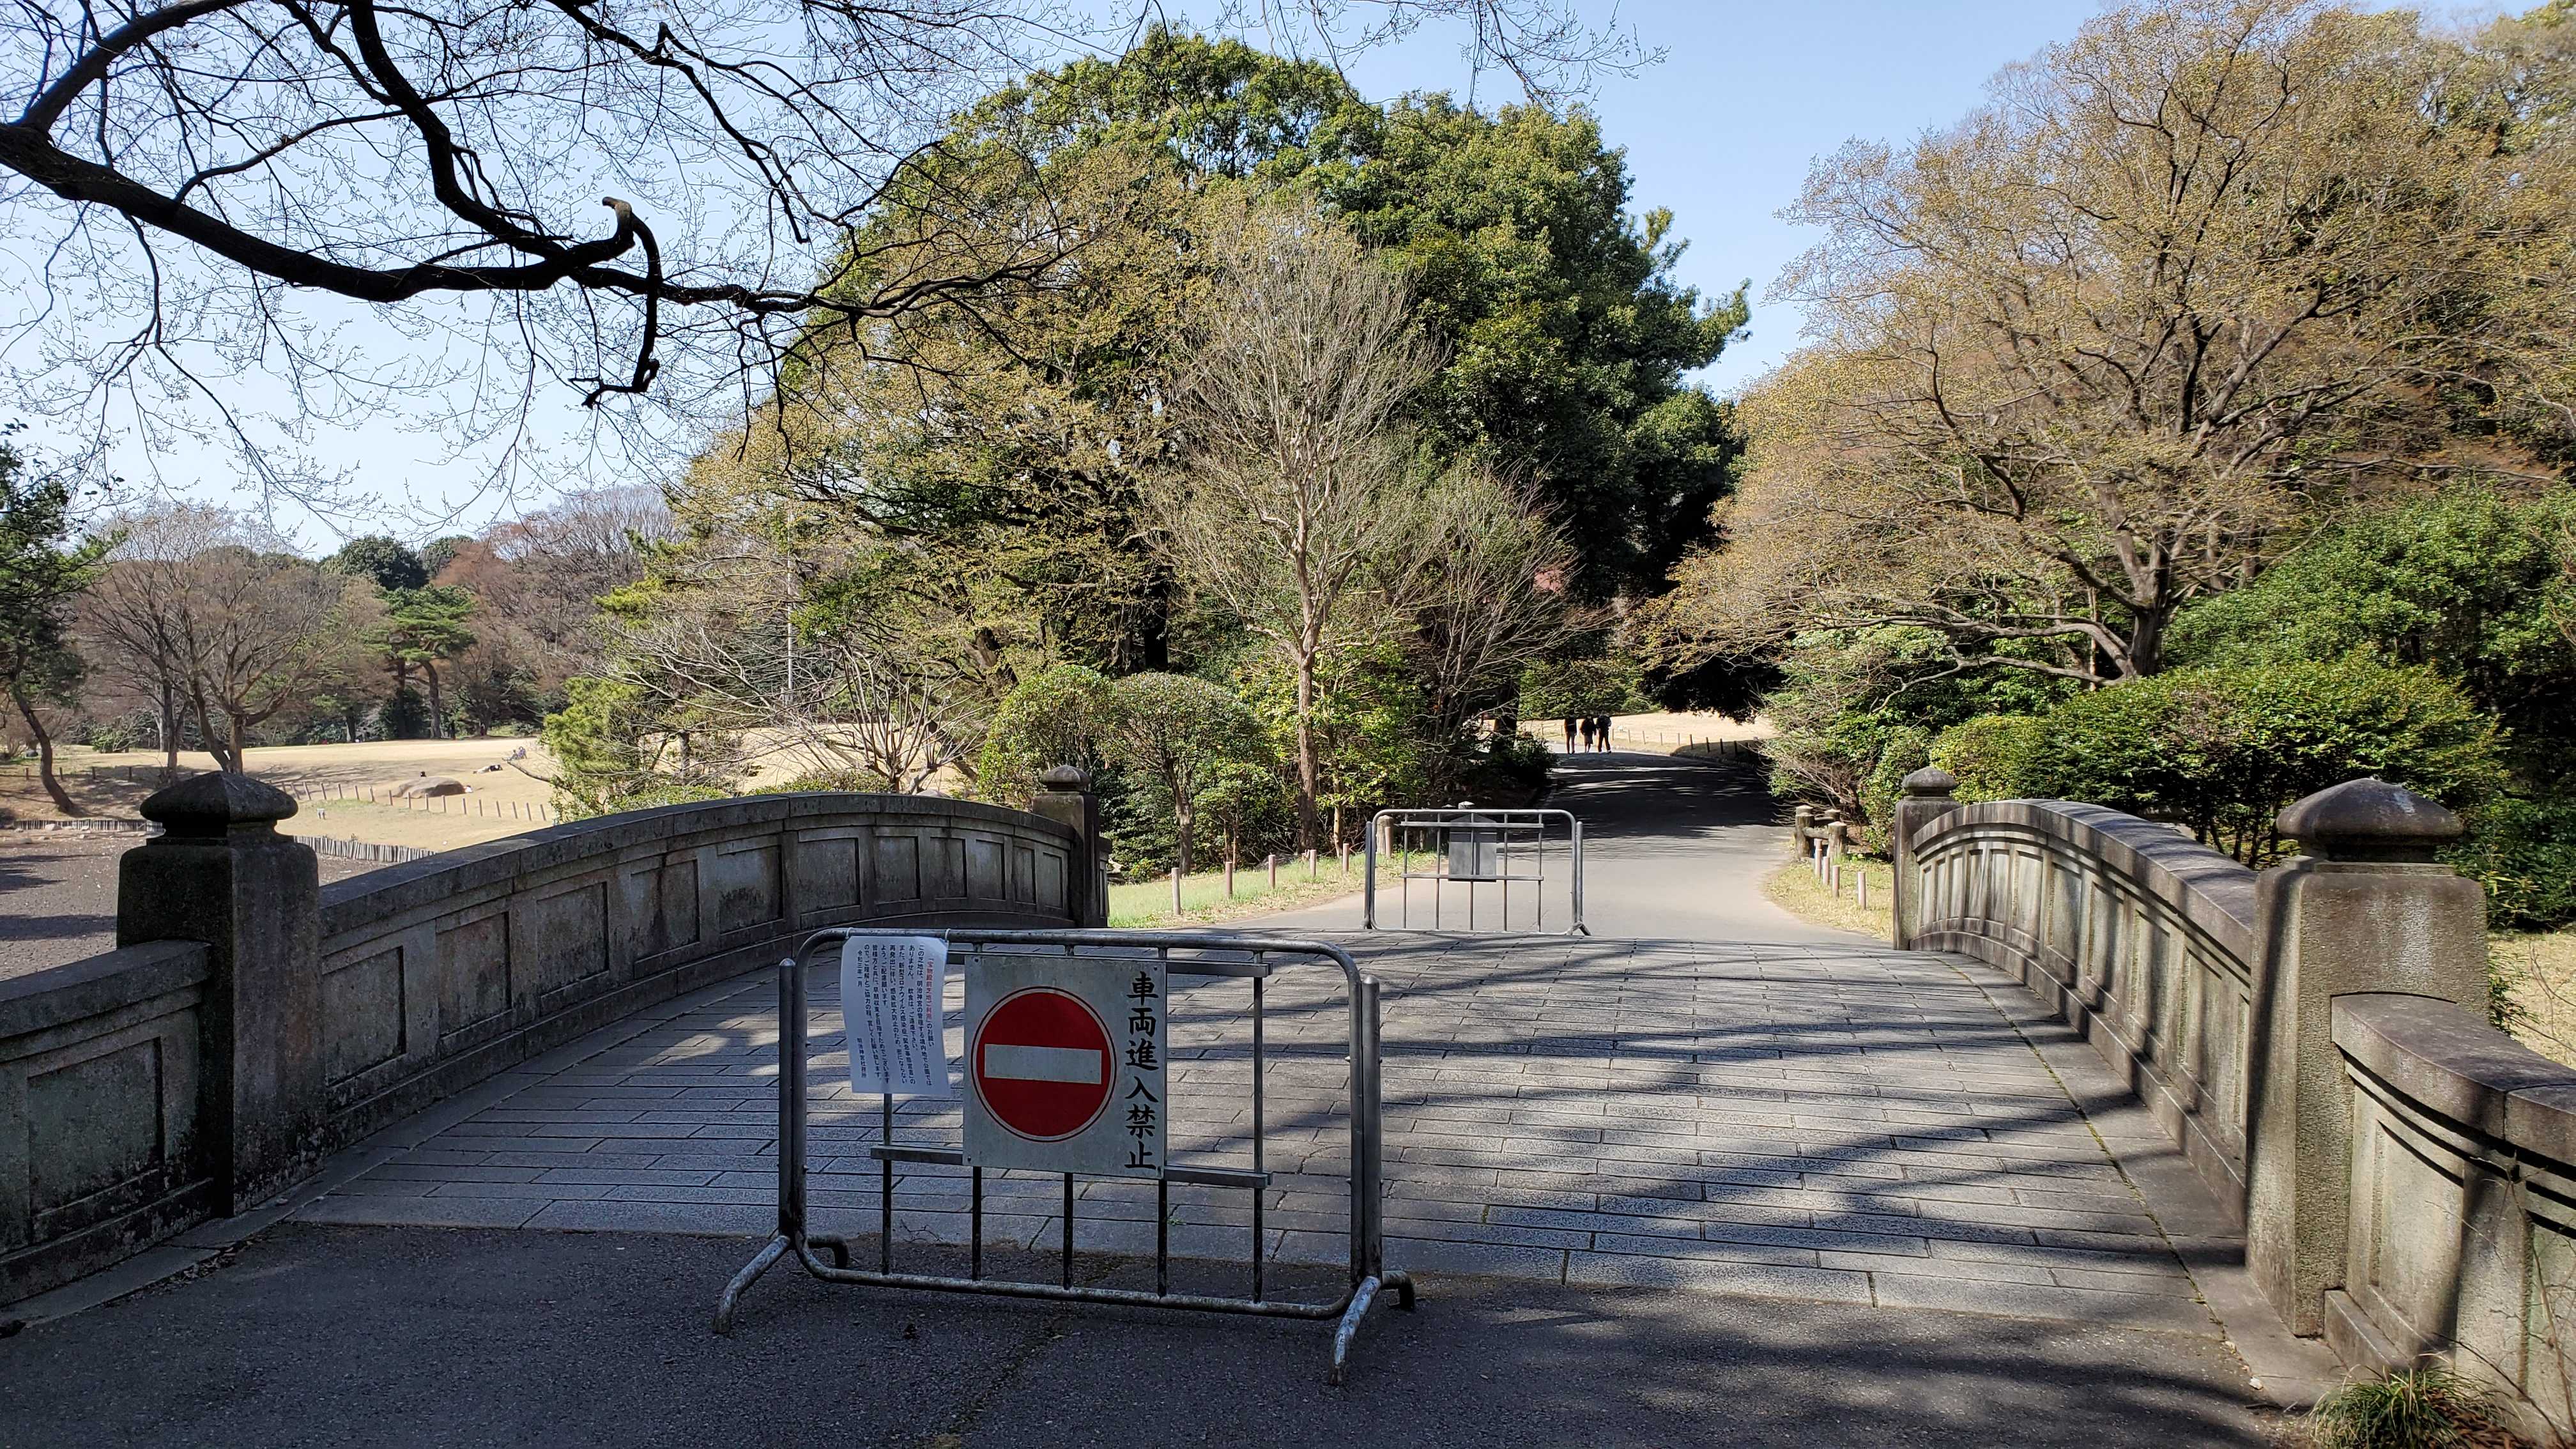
(850, 780)
(2222, 750)
(1990, 755)
(1057, 716)
(133, 730)
(1512, 765)
(2524, 852)
(1906, 750)
(2472, 585)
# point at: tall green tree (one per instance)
(1019, 445)
(1568, 338)
(388, 563)
(423, 628)
(41, 572)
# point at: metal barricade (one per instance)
(1206, 955)
(1482, 854)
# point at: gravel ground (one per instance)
(58, 895)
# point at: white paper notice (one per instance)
(891, 990)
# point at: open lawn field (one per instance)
(332, 782)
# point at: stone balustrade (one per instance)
(2313, 1038)
(252, 1021)
(2462, 1238)
(100, 1081)
(2139, 938)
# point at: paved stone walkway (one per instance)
(1829, 1122)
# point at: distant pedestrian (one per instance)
(1569, 734)
(1586, 724)
(1601, 731)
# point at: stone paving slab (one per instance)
(1836, 1123)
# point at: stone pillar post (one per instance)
(222, 874)
(1802, 823)
(1837, 844)
(1068, 801)
(2364, 909)
(1925, 796)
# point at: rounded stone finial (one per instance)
(2370, 819)
(217, 802)
(1063, 777)
(1930, 780)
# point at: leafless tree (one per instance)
(260, 631)
(1484, 582)
(135, 616)
(1293, 495)
(223, 623)
(890, 690)
(617, 196)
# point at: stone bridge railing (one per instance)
(256, 1022)
(2314, 1039)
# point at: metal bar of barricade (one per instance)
(1369, 1278)
(1487, 836)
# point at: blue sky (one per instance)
(1722, 131)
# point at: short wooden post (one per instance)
(1229, 877)
(1274, 870)
(1176, 890)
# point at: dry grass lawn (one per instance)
(344, 789)
(331, 781)
(2542, 971)
(1795, 889)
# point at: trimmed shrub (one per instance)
(1906, 750)
(1990, 755)
(1057, 716)
(2524, 852)
(2223, 750)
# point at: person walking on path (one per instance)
(1601, 732)
(1569, 734)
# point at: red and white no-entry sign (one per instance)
(1064, 1063)
(1043, 1064)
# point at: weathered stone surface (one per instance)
(99, 1092)
(319, 1020)
(1721, 1117)
(2370, 819)
(428, 786)
(2463, 1151)
(215, 802)
(223, 875)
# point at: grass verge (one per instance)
(1795, 889)
(1146, 903)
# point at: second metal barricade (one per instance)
(1469, 859)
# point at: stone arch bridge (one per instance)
(1989, 1185)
